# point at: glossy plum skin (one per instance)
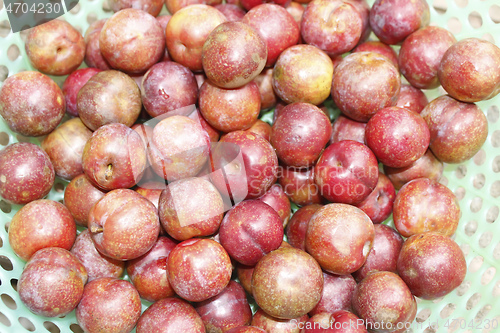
(276, 26)
(52, 282)
(79, 197)
(412, 98)
(383, 300)
(384, 253)
(340, 321)
(72, 85)
(393, 20)
(124, 225)
(299, 186)
(114, 157)
(132, 41)
(277, 199)
(337, 294)
(339, 237)
(421, 54)
(344, 128)
(333, 26)
(303, 73)
(379, 203)
(361, 101)
(297, 227)
(187, 31)
(427, 166)
(284, 274)
(55, 48)
(250, 230)
(270, 324)
(40, 224)
(109, 97)
(457, 130)
(190, 207)
(250, 176)
(397, 136)
(193, 282)
(226, 310)
(167, 87)
(97, 310)
(425, 205)
(65, 146)
(346, 172)
(148, 273)
(96, 264)
(468, 70)
(431, 264)
(26, 173)
(300, 134)
(233, 55)
(380, 48)
(170, 315)
(33, 94)
(230, 110)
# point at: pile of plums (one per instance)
(176, 182)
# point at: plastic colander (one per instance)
(472, 307)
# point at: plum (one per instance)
(72, 85)
(379, 203)
(337, 294)
(152, 7)
(265, 83)
(344, 128)
(231, 11)
(299, 185)
(93, 56)
(261, 128)
(174, 6)
(297, 227)
(277, 199)
(412, 98)
(274, 325)
(79, 197)
(380, 48)
(340, 321)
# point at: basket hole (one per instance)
(22, 138)
(1, 245)
(461, 171)
(4, 139)
(496, 252)
(495, 165)
(470, 228)
(440, 6)
(423, 315)
(475, 20)
(51, 327)
(6, 226)
(76, 328)
(59, 187)
(75, 9)
(91, 18)
(4, 28)
(106, 7)
(480, 157)
(493, 114)
(495, 139)
(488, 275)
(13, 283)
(464, 247)
(463, 288)
(443, 180)
(495, 189)
(478, 181)
(496, 290)
(473, 300)
(476, 204)
(476, 264)
(494, 12)
(462, 3)
(485, 239)
(27, 324)
(8, 301)
(5, 206)
(447, 310)
(492, 214)
(6, 263)
(460, 193)
(454, 25)
(13, 52)
(4, 73)
(4, 320)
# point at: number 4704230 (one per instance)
(18, 8)
(472, 324)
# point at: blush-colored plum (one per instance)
(425, 205)
(339, 237)
(250, 230)
(132, 40)
(384, 253)
(380, 48)
(79, 197)
(96, 264)
(213, 133)
(299, 185)
(393, 20)
(174, 6)
(337, 294)
(72, 85)
(379, 87)
(261, 128)
(397, 136)
(265, 83)
(93, 56)
(300, 134)
(26, 173)
(431, 264)
(303, 73)
(378, 204)
(170, 315)
(344, 128)
(412, 98)
(427, 166)
(52, 282)
(231, 11)
(244, 274)
(198, 269)
(457, 129)
(31, 103)
(226, 310)
(55, 47)
(152, 7)
(297, 227)
(340, 321)
(151, 191)
(274, 325)
(283, 275)
(246, 329)
(468, 70)
(40, 224)
(346, 172)
(233, 54)
(277, 199)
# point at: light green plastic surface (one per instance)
(476, 184)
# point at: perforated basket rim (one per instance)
(475, 183)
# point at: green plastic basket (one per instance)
(473, 307)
